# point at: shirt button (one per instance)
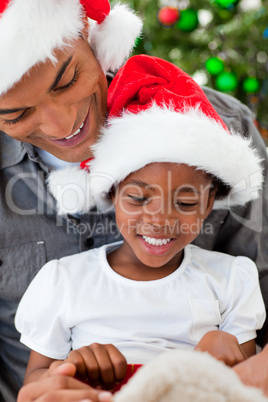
(89, 242)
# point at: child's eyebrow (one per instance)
(141, 184)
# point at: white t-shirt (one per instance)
(79, 300)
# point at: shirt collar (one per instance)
(13, 151)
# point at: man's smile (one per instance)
(78, 136)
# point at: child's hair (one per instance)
(222, 189)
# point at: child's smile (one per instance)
(155, 245)
(159, 210)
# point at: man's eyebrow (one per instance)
(60, 73)
(55, 83)
(141, 184)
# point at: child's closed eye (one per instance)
(137, 198)
(186, 204)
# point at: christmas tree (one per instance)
(220, 43)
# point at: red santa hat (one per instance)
(157, 113)
(30, 30)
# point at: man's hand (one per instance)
(254, 371)
(58, 385)
(98, 365)
(222, 346)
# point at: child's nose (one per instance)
(158, 213)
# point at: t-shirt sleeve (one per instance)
(40, 316)
(245, 311)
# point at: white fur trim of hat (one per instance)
(157, 113)
(31, 30)
(160, 134)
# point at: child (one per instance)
(164, 157)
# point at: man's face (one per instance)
(58, 107)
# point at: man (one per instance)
(53, 93)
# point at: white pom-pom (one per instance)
(113, 40)
(71, 189)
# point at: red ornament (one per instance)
(168, 16)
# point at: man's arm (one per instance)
(254, 371)
(241, 230)
(68, 380)
(244, 231)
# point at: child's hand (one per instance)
(223, 346)
(98, 365)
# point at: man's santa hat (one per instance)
(30, 31)
(157, 113)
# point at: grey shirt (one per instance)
(31, 233)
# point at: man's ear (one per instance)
(85, 30)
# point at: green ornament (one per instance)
(251, 85)
(226, 82)
(227, 4)
(188, 20)
(137, 41)
(214, 65)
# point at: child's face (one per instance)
(160, 209)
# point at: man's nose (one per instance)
(57, 120)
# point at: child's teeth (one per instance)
(156, 242)
(77, 132)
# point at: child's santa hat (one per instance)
(157, 113)
(30, 30)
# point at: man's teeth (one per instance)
(77, 132)
(155, 242)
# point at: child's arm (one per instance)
(96, 364)
(38, 365)
(225, 347)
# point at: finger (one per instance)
(105, 396)
(77, 360)
(68, 369)
(105, 364)
(57, 388)
(118, 361)
(87, 367)
(92, 366)
(235, 356)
